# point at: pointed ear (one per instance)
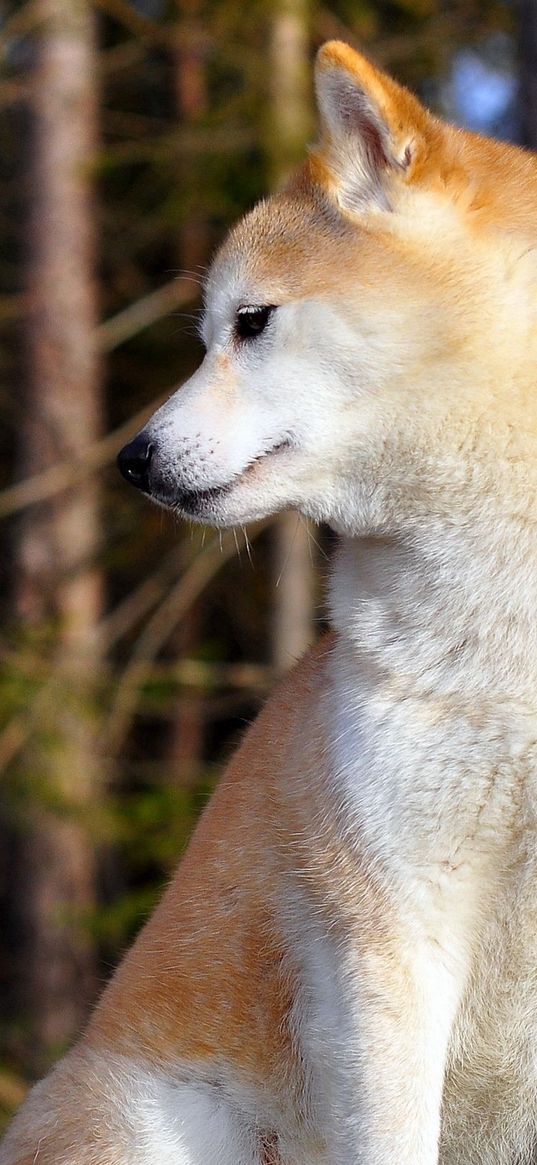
(372, 129)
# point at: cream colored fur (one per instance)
(345, 970)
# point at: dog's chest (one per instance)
(431, 780)
(491, 1084)
(443, 799)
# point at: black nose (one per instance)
(134, 461)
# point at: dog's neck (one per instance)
(450, 610)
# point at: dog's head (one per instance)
(354, 322)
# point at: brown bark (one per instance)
(59, 588)
(290, 110)
(527, 40)
(289, 126)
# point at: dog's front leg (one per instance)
(388, 1047)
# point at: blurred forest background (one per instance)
(134, 649)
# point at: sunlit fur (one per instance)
(343, 971)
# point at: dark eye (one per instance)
(251, 321)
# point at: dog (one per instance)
(343, 971)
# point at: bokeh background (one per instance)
(135, 649)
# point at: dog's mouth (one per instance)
(192, 502)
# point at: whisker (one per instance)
(196, 272)
(288, 555)
(248, 546)
(312, 538)
(187, 330)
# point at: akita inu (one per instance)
(344, 971)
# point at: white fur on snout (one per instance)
(210, 431)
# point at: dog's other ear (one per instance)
(372, 129)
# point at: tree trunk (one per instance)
(289, 127)
(59, 588)
(527, 40)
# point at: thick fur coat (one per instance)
(343, 971)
